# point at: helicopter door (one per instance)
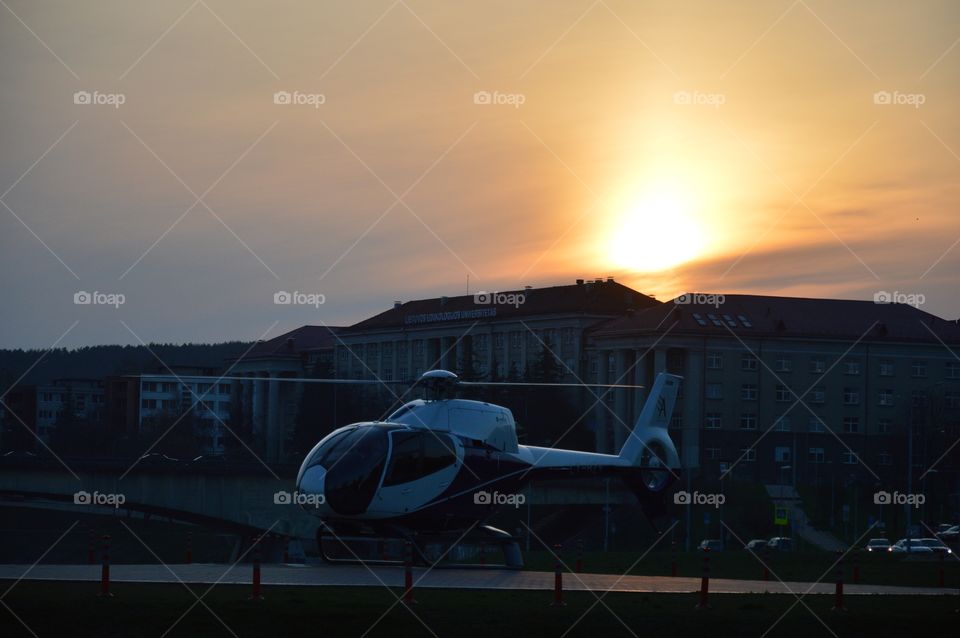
(421, 466)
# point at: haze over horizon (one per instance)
(795, 147)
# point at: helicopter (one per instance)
(443, 465)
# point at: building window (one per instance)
(818, 394)
(748, 362)
(748, 392)
(851, 424)
(783, 393)
(918, 398)
(953, 370)
(784, 364)
(714, 361)
(886, 397)
(784, 424)
(713, 453)
(918, 369)
(498, 340)
(714, 421)
(782, 455)
(815, 424)
(748, 454)
(886, 368)
(817, 366)
(884, 426)
(816, 455)
(886, 459)
(748, 421)
(714, 390)
(849, 457)
(851, 367)
(951, 400)
(851, 396)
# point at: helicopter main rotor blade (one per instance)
(523, 384)
(191, 377)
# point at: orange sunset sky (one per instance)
(799, 148)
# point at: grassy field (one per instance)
(150, 610)
(875, 569)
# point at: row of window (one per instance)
(172, 405)
(169, 387)
(818, 395)
(783, 454)
(61, 397)
(818, 365)
(748, 421)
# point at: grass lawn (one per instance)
(151, 609)
(875, 569)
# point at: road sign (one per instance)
(781, 515)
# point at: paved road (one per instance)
(379, 576)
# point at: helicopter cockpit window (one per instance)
(418, 454)
(329, 452)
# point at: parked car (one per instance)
(942, 527)
(756, 545)
(936, 545)
(780, 543)
(877, 545)
(713, 545)
(910, 546)
(950, 535)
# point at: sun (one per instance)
(657, 230)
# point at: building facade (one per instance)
(788, 390)
(485, 336)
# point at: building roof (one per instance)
(785, 317)
(599, 297)
(296, 341)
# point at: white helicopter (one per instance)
(441, 466)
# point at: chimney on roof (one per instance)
(610, 279)
(397, 304)
(579, 282)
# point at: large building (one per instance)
(39, 409)
(487, 335)
(785, 389)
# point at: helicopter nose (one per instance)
(312, 481)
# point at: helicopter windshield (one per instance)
(354, 462)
